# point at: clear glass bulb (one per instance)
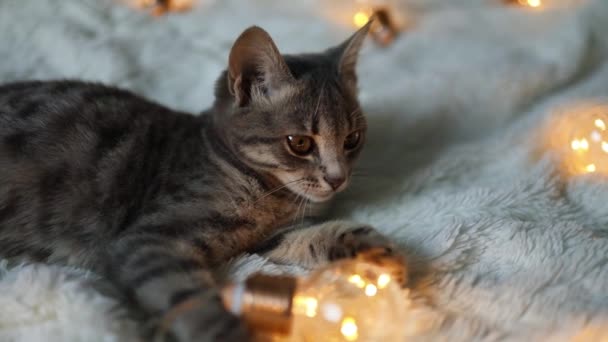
(348, 301)
(345, 301)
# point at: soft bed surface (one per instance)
(503, 244)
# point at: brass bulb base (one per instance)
(264, 302)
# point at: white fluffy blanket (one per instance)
(504, 246)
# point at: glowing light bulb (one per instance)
(349, 329)
(356, 280)
(361, 18)
(371, 290)
(531, 3)
(383, 280)
(584, 144)
(160, 7)
(581, 136)
(387, 21)
(356, 296)
(341, 302)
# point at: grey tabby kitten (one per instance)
(154, 199)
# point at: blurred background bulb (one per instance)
(531, 3)
(580, 135)
(346, 301)
(589, 144)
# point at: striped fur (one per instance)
(154, 199)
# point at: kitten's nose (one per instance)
(335, 181)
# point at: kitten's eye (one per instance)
(352, 140)
(300, 145)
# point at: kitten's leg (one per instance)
(169, 281)
(320, 244)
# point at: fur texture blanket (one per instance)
(503, 244)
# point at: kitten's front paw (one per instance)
(204, 321)
(366, 244)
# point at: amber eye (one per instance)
(300, 145)
(352, 140)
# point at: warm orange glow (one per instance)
(146, 3)
(371, 290)
(349, 329)
(347, 301)
(531, 3)
(305, 305)
(161, 7)
(360, 18)
(383, 280)
(581, 144)
(580, 136)
(357, 280)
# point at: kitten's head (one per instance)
(294, 117)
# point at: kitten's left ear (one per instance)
(255, 67)
(347, 55)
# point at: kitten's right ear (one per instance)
(347, 54)
(255, 67)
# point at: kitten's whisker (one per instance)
(270, 192)
(295, 218)
(305, 206)
(294, 203)
(305, 202)
(301, 205)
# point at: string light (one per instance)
(160, 7)
(385, 28)
(361, 18)
(531, 3)
(349, 329)
(383, 280)
(370, 290)
(534, 4)
(580, 135)
(342, 302)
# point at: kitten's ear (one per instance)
(347, 55)
(256, 67)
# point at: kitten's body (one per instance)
(154, 199)
(111, 171)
